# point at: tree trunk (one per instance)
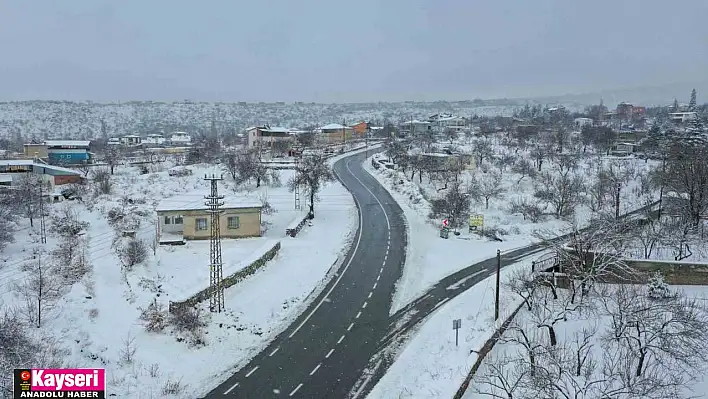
(486, 203)
(617, 200)
(312, 204)
(551, 334)
(640, 363)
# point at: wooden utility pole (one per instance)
(496, 301)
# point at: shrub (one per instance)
(154, 317)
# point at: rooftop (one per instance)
(198, 204)
(332, 126)
(67, 143)
(29, 162)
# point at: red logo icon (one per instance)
(25, 375)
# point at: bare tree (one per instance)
(617, 175)
(529, 209)
(562, 189)
(280, 147)
(450, 134)
(523, 167)
(7, 218)
(489, 187)
(102, 181)
(504, 160)
(311, 174)
(132, 252)
(113, 156)
(229, 161)
(41, 288)
(27, 189)
(482, 149)
(248, 166)
(686, 172)
(454, 205)
(501, 377)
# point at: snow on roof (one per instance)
(16, 162)
(5, 178)
(66, 143)
(132, 136)
(277, 129)
(198, 204)
(332, 126)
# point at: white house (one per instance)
(682, 116)
(448, 121)
(154, 139)
(130, 140)
(415, 127)
(268, 135)
(580, 122)
(180, 139)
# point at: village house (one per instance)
(266, 135)
(60, 151)
(154, 140)
(334, 133)
(180, 139)
(13, 171)
(448, 121)
(360, 129)
(192, 220)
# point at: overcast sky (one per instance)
(344, 51)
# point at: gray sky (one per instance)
(344, 51)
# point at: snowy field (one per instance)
(96, 321)
(600, 339)
(430, 365)
(431, 258)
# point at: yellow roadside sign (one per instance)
(476, 221)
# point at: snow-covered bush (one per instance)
(657, 287)
(154, 317)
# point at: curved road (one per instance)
(323, 353)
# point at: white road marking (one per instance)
(252, 371)
(371, 293)
(340, 340)
(357, 315)
(330, 351)
(375, 284)
(274, 350)
(364, 305)
(297, 388)
(356, 246)
(315, 369)
(381, 270)
(231, 389)
(378, 277)
(388, 247)
(350, 327)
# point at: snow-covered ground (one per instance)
(96, 323)
(430, 365)
(431, 258)
(581, 331)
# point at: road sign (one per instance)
(476, 222)
(456, 325)
(446, 222)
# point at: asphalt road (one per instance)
(323, 353)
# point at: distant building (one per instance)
(154, 140)
(335, 133)
(180, 139)
(415, 127)
(580, 122)
(448, 121)
(60, 151)
(267, 135)
(131, 140)
(192, 221)
(360, 129)
(11, 171)
(682, 117)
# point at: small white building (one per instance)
(448, 121)
(180, 139)
(580, 122)
(415, 127)
(113, 141)
(268, 135)
(130, 140)
(682, 116)
(154, 139)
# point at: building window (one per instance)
(168, 220)
(178, 220)
(233, 222)
(201, 224)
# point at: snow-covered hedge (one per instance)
(230, 280)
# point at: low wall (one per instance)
(230, 280)
(294, 228)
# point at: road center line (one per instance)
(315, 369)
(358, 314)
(231, 389)
(274, 350)
(378, 277)
(374, 287)
(364, 305)
(330, 351)
(340, 340)
(350, 327)
(371, 293)
(297, 388)
(252, 371)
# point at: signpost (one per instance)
(456, 325)
(445, 230)
(476, 222)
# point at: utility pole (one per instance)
(297, 186)
(344, 130)
(42, 225)
(216, 274)
(496, 300)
